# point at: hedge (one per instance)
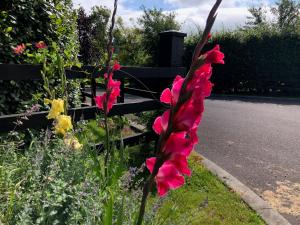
(256, 63)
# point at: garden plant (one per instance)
(61, 177)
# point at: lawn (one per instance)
(204, 200)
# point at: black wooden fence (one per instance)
(38, 120)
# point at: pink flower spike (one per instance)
(19, 49)
(166, 96)
(214, 56)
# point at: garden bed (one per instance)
(48, 183)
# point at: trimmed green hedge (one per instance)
(256, 63)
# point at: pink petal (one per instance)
(162, 188)
(167, 178)
(157, 127)
(150, 162)
(99, 100)
(165, 119)
(176, 182)
(176, 88)
(214, 56)
(181, 164)
(179, 143)
(166, 96)
(116, 66)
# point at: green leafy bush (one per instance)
(49, 183)
(29, 22)
(259, 61)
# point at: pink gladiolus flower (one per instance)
(171, 96)
(214, 56)
(179, 143)
(189, 115)
(40, 45)
(167, 178)
(161, 123)
(19, 49)
(112, 91)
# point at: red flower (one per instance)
(112, 91)
(161, 123)
(40, 45)
(179, 143)
(186, 117)
(171, 96)
(214, 56)
(116, 66)
(167, 178)
(19, 49)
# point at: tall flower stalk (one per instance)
(178, 125)
(112, 87)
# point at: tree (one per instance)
(128, 45)
(257, 18)
(92, 30)
(84, 27)
(154, 21)
(287, 13)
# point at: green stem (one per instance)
(107, 145)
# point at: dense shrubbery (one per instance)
(30, 22)
(50, 183)
(258, 62)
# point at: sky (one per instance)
(190, 13)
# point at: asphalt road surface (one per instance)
(258, 143)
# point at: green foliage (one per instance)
(287, 13)
(259, 60)
(29, 22)
(49, 183)
(154, 21)
(92, 32)
(129, 46)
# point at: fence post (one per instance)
(171, 48)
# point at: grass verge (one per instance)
(203, 200)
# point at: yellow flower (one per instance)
(63, 124)
(72, 142)
(57, 107)
(47, 101)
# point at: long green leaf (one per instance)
(108, 210)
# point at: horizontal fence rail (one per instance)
(33, 72)
(132, 140)
(38, 120)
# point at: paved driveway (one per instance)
(259, 143)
